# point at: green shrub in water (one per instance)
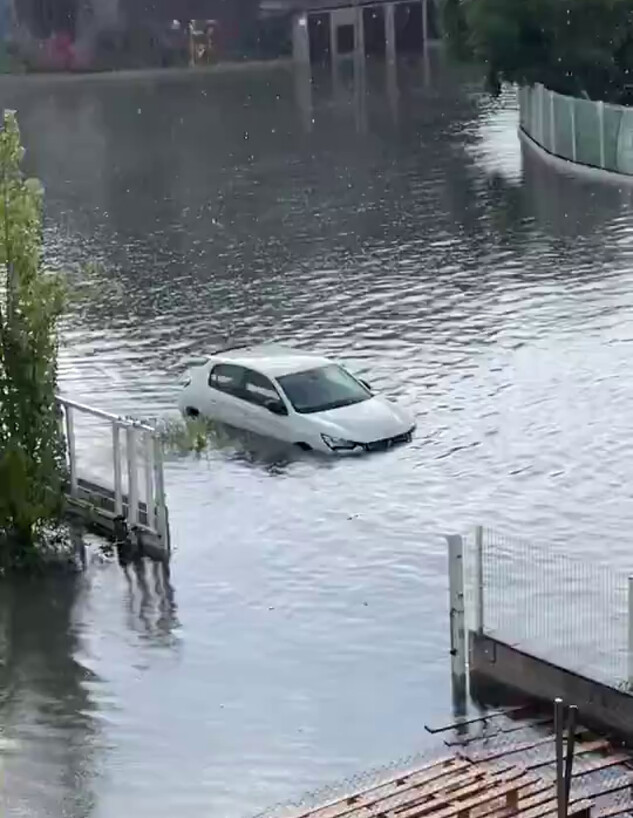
(32, 461)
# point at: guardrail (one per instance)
(588, 132)
(133, 489)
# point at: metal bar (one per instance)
(493, 714)
(99, 413)
(572, 109)
(132, 477)
(630, 636)
(70, 446)
(479, 579)
(456, 602)
(600, 105)
(162, 520)
(148, 446)
(116, 460)
(552, 131)
(569, 760)
(558, 737)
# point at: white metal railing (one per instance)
(133, 444)
(551, 605)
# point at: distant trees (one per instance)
(577, 47)
(32, 458)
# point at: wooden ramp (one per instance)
(485, 779)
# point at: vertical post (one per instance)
(359, 33)
(132, 476)
(162, 521)
(457, 623)
(148, 465)
(479, 580)
(600, 104)
(70, 446)
(558, 737)
(425, 24)
(116, 461)
(552, 130)
(572, 109)
(569, 760)
(630, 636)
(300, 39)
(333, 41)
(390, 32)
(541, 101)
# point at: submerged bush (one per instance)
(32, 459)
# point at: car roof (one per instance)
(274, 360)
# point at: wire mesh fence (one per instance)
(586, 131)
(554, 606)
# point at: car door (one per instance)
(261, 398)
(224, 400)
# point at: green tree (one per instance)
(32, 461)
(578, 47)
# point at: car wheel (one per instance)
(305, 447)
(192, 412)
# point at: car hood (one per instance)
(364, 422)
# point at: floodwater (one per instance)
(392, 221)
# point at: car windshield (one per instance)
(327, 387)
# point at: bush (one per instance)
(578, 47)
(32, 460)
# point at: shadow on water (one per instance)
(45, 707)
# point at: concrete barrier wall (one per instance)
(602, 707)
(588, 132)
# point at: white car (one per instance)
(296, 397)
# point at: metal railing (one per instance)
(132, 484)
(575, 613)
(589, 132)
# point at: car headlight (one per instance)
(338, 443)
(185, 381)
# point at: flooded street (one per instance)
(393, 223)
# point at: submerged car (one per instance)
(295, 397)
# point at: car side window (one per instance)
(259, 390)
(227, 378)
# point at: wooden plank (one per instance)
(415, 791)
(433, 794)
(483, 781)
(493, 714)
(514, 748)
(340, 806)
(580, 750)
(616, 809)
(602, 764)
(494, 792)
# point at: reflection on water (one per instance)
(385, 215)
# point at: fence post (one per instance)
(630, 636)
(132, 476)
(479, 579)
(70, 446)
(116, 461)
(150, 505)
(601, 125)
(162, 521)
(572, 110)
(457, 623)
(552, 131)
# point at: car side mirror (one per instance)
(276, 407)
